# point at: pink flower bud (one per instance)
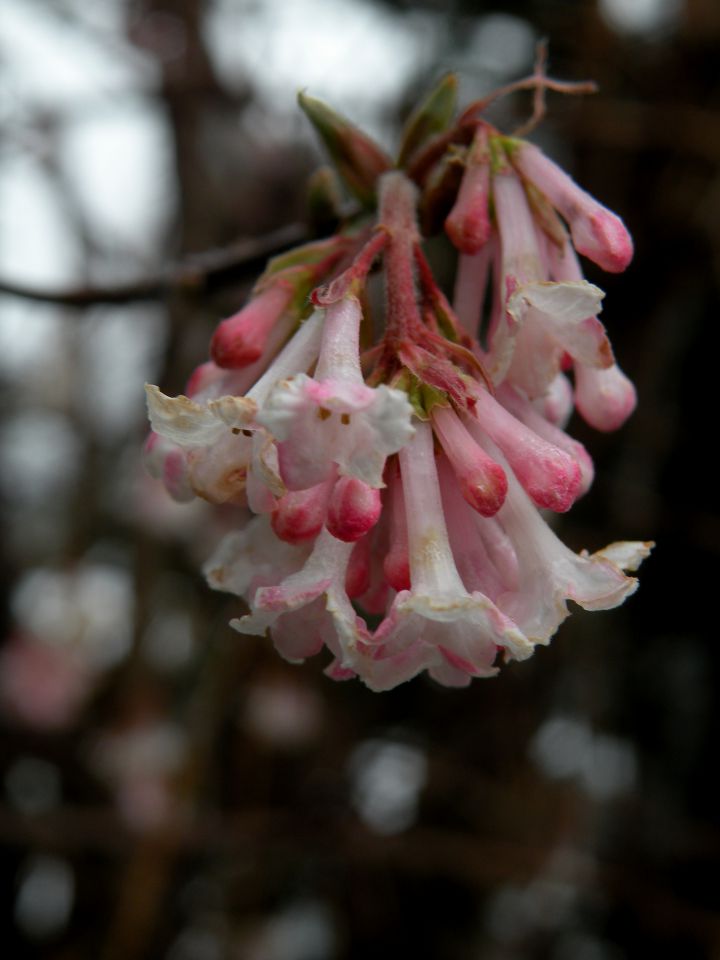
(482, 481)
(300, 514)
(596, 232)
(550, 476)
(240, 340)
(468, 223)
(396, 565)
(605, 398)
(357, 578)
(532, 418)
(354, 509)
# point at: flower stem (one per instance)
(398, 200)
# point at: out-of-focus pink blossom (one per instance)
(41, 684)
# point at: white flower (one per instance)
(333, 418)
(436, 625)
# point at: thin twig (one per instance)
(538, 111)
(537, 81)
(199, 273)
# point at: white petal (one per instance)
(626, 554)
(253, 556)
(566, 312)
(237, 412)
(192, 424)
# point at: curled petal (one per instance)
(252, 557)
(428, 631)
(626, 554)
(567, 311)
(551, 574)
(310, 607)
(189, 423)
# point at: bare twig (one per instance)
(199, 273)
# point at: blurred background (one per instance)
(170, 789)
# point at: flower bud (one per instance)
(359, 160)
(300, 514)
(468, 223)
(482, 481)
(549, 475)
(240, 340)
(605, 398)
(354, 509)
(597, 233)
(357, 578)
(432, 116)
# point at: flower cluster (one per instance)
(394, 460)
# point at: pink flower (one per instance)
(333, 418)
(437, 624)
(550, 573)
(309, 608)
(402, 479)
(214, 433)
(543, 320)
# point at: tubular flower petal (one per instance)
(437, 624)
